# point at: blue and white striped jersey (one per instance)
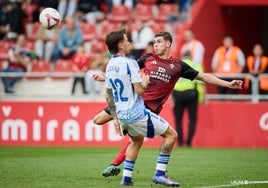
(121, 72)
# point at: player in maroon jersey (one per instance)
(164, 72)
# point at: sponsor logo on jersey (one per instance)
(172, 66)
(153, 62)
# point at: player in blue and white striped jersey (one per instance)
(124, 87)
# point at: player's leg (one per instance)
(131, 156)
(113, 169)
(102, 117)
(161, 127)
(121, 156)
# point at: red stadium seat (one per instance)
(106, 27)
(4, 48)
(143, 12)
(158, 26)
(164, 10)
(40, 66)
(120, 13)
(62, 66)
(88, 30)
(98, 46)
(2, 64)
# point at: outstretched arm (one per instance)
(210, 79)
(142, 86)
(98, 77)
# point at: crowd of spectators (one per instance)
(20, 17)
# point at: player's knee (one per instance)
(97, 120)
(175, 135)
(172, 134)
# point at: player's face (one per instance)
(160, 46)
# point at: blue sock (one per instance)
(128, 169)
(161, 166)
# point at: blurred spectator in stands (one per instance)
(28, 7)
(186, 96)
(70, 37)
(2, 19)
(41, 5)
(97, 65)
(257, 64)
(175, 14)
(185, 9)
(194, 46)
(18, 60)
(228, 60)
(67, 8)
(12, 23)
(90, 11)
(45, 43)
(141, 35)
(129, 3)
(80, 64)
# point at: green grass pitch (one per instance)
(42, 167)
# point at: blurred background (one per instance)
(48, 97)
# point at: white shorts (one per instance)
(150, 125)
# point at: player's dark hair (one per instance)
(113, 38)
(166, 36)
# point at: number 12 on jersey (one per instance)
(118, 87)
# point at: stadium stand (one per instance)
(144, 12)
(5, 45)
(88, 31)
(164, 10)
(62, 66)
(31, 35)
(39, 66)
(148, 1)
(120, 13)
(105, 27)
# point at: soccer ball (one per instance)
(49, 18)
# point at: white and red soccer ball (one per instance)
(49, 18)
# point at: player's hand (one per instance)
(118, 128)
(145, 80)
(98, 77)
(236, 84)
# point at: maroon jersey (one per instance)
(164, 73)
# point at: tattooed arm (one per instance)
(110, 100)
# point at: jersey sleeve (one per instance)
(107, 84)
(134, 72)
(142, 59)
(187, 71)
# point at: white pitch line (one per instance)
(236, 184)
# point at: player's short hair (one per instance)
(166, 36)
(113, 38)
